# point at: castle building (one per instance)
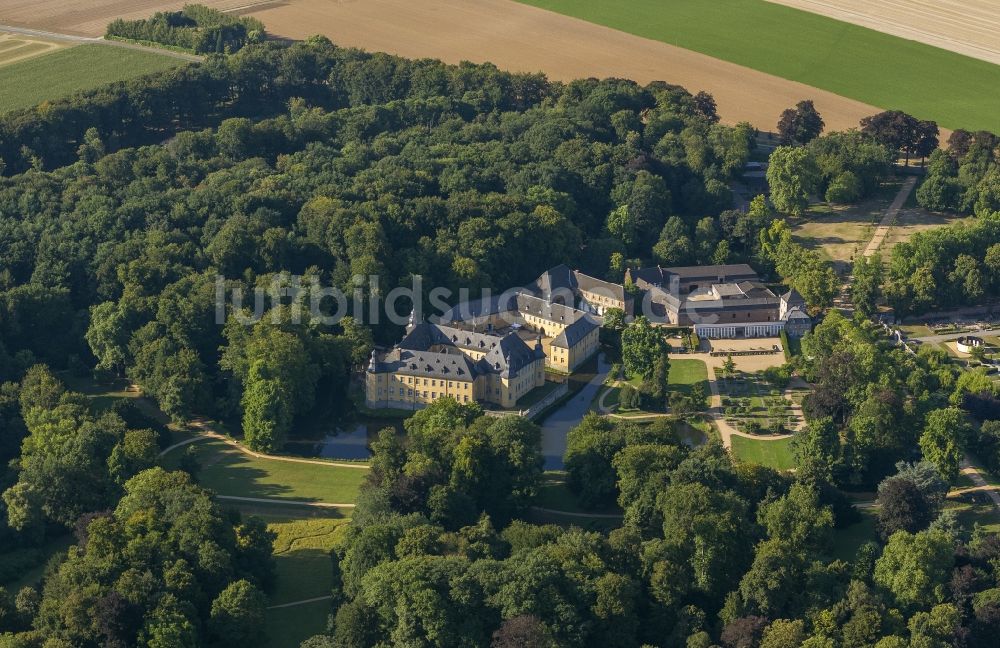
(492, 350)
(568, 336)
(572, 287)
(435, 361)
(719, 301)
(496, 349)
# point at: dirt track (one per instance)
(970, 27)
(522, 38)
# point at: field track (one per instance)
(969, 27)
(522, 38)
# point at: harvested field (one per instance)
(523, 38)
(90, 17)
(969, 27)
(15, 48)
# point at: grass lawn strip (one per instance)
(228, 471)
(302, 559)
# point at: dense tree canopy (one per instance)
(126, 211)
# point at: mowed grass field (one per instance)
(849, 60)
(61, 72)
(776, 454)
(228, 471)
(685, 373)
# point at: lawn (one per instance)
(914, 330)
(292, 625)
(776, 454)
(65, 71)
(33, 575)
(228, 471)
(838, 232)
(847, 541)
(302, 558)
(852, 61)
(975, 508)
(555, 494)
(913, 220)
(684, 373)
(101, 394)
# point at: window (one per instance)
(400, 391)
(434, 395)
(409, 392)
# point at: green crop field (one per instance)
(68, 70)
(851, 61)
(27, 50)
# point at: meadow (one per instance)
(31, 81)
(846, 59)
(230, 472)
(775, 454)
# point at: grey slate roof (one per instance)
(593, 284)
(729, 272)
(557, 279)
(578, 323)
(654, 276)
(429, 364)
(505, 355)
(793, 298)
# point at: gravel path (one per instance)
(878, 237)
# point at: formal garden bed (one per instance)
(755, 405)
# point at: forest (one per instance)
(372, 166)
(120, 207)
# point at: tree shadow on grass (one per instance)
(230, 475)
